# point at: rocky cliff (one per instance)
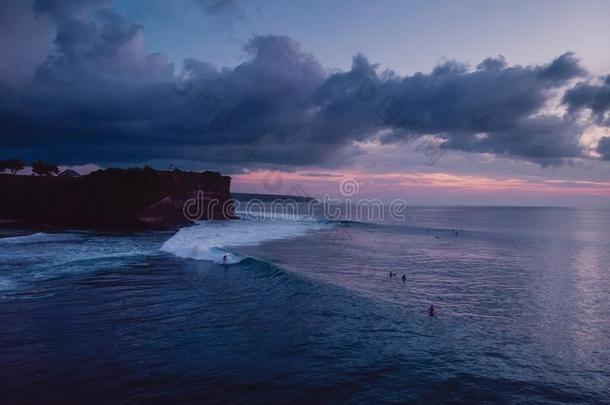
(114, 198)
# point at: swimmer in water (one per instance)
(432, 310)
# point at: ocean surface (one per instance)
(306, 312)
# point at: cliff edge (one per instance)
(112, 199)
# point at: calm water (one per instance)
(307, 313)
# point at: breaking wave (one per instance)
(211, 241)
(39, 237)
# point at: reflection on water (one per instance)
(522, 299)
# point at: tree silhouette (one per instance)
(14, 165)
(44, 169)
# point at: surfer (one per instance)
(225, 260)
(404, 278)
(432, 310)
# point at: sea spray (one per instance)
(210, 240)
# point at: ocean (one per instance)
(305, 310)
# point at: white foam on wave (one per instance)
(87, 255)
(280, 215)
(38, 237)
(209, 241)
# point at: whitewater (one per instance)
(212, 241)
(307, 312)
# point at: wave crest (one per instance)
(210, 241)
(38, 237)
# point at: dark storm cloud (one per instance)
(603, 148)
(67, 8)
(111, 47)
(563, 68)
(487, 110)
(25, 40)
(222, 8)
(592, 97)
(100, 97)
(498, 63)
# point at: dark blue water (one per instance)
(308, 314)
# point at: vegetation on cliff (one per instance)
(111, 198)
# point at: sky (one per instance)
(434, 102)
